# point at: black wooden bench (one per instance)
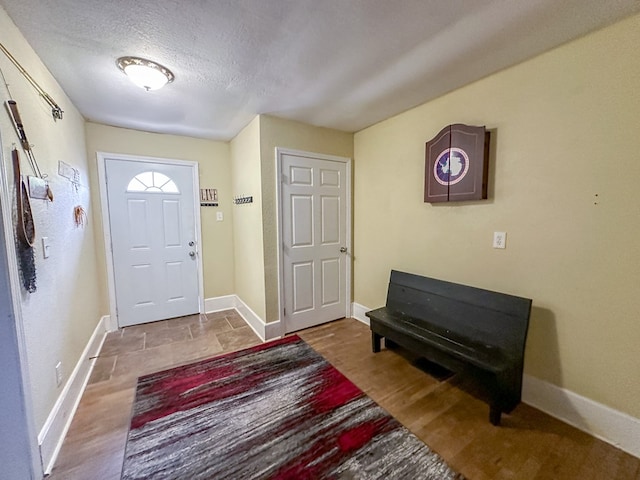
(477, 333)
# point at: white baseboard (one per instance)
(216, 304)
(612, 426)
(255, 322)
(109, 325)
(273, 330)
(358, 312)
(55, 428)
(266, 331)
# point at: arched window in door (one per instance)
(151, 182)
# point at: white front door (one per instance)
(315, 236)
(152, 219)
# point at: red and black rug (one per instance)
(275, 411)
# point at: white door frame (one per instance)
(106, 223)
(349, 265)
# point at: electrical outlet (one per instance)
(59, 374)
(219, 216)
(499, 239)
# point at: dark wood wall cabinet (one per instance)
(457, 164)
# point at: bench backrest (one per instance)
(484, 316)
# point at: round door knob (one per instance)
(192, 254)
(343, 249)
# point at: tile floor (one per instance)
(147, 348)
(94, 445)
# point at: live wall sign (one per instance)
(457, 164)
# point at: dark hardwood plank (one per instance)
(528, 445)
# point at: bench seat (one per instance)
(482, 355)
(475, 332)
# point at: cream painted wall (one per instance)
(61, 315)
(247, 218)
(563, 185)
(276, 132)
(215, 172)
(255, 225)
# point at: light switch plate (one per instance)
(219, 216)
(45, 247)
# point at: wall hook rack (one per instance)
(242, 200)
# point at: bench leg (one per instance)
(375, 342)
(494, 415)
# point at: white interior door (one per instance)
(315, 258)
(152, 219)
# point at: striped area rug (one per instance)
(275, 411)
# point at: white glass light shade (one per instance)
(145, 73)
(146, 77)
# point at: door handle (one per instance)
(192, 254)
(343, 249)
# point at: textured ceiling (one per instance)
(344, 64)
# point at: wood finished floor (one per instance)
(528, 445)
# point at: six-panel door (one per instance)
(314, 240)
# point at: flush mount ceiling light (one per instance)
(145, 73)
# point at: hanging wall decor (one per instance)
(457, 164)
(39, 182)
(70, 173)
(25, 229)
(208, 197)
(79, 216)
(56, 111)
